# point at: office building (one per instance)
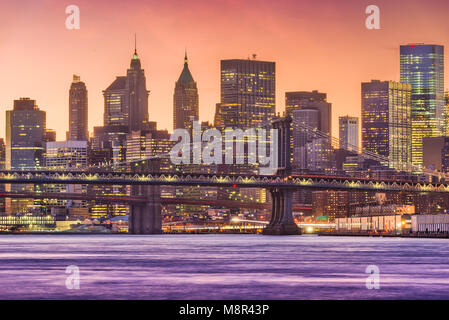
(125, 110)
(78, 116)
(66, 155)
(299, 100)
(247, 93)
(185, 100)
(126, 99)
(349, 133)
(386, 121)
(422, 66)
(311, 151)
(25, 131)
(25, 146)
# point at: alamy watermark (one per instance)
(73, 20)
(373, 20)
(373, 280)
(207, 147)
(72, 281)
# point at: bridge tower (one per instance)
(281, 222)
(145, 218)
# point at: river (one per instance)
(221, 267)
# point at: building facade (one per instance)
(63, 155)
(125, 110)
(126, 99)
(422, 66)
(312, 149)
(349, 133)
(299, 100)
(185, 100)
(25, 131)
(66, 155)
(25, 147)
(78, 115)
(386, 121)
(248, 93)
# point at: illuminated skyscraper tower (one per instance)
(125, 109)
(78, 111)
(185, 99)
(247, 93)
(25, 147)
(25, 130)
(386, 123)
(126, 99)
(422, 66)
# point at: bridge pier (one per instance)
(146, 218)
(281, 222)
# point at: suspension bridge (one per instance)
(145, 199)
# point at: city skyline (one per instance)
(97, 61)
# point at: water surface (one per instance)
(221, 267)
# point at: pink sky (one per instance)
(321, 45)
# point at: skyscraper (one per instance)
(349, 133)
(247, 93)
(446, 113)
(422, 66)
(78, 125)
(386, 121)
(25, 130)
(64, 155)
(185, 99)
(309, 151)
(125, 110)
(299, 100)
(25, 134)
(126, 99)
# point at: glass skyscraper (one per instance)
(25, 147)
(25, 131)
(386, 121)
(422, 66)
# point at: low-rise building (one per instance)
(378, 224)
(430, 223)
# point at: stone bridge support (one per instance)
(145, 218)
(281, 222)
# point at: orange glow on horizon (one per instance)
(316, 46)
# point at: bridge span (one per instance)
(146, 216)
(141, 199)
(292, 182)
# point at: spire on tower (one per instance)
(185, 76)
(135, 56)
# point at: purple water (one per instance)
(221, 267)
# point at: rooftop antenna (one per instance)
(135, 43)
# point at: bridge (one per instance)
(292, 182)
(145, 200)
(141, 199)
